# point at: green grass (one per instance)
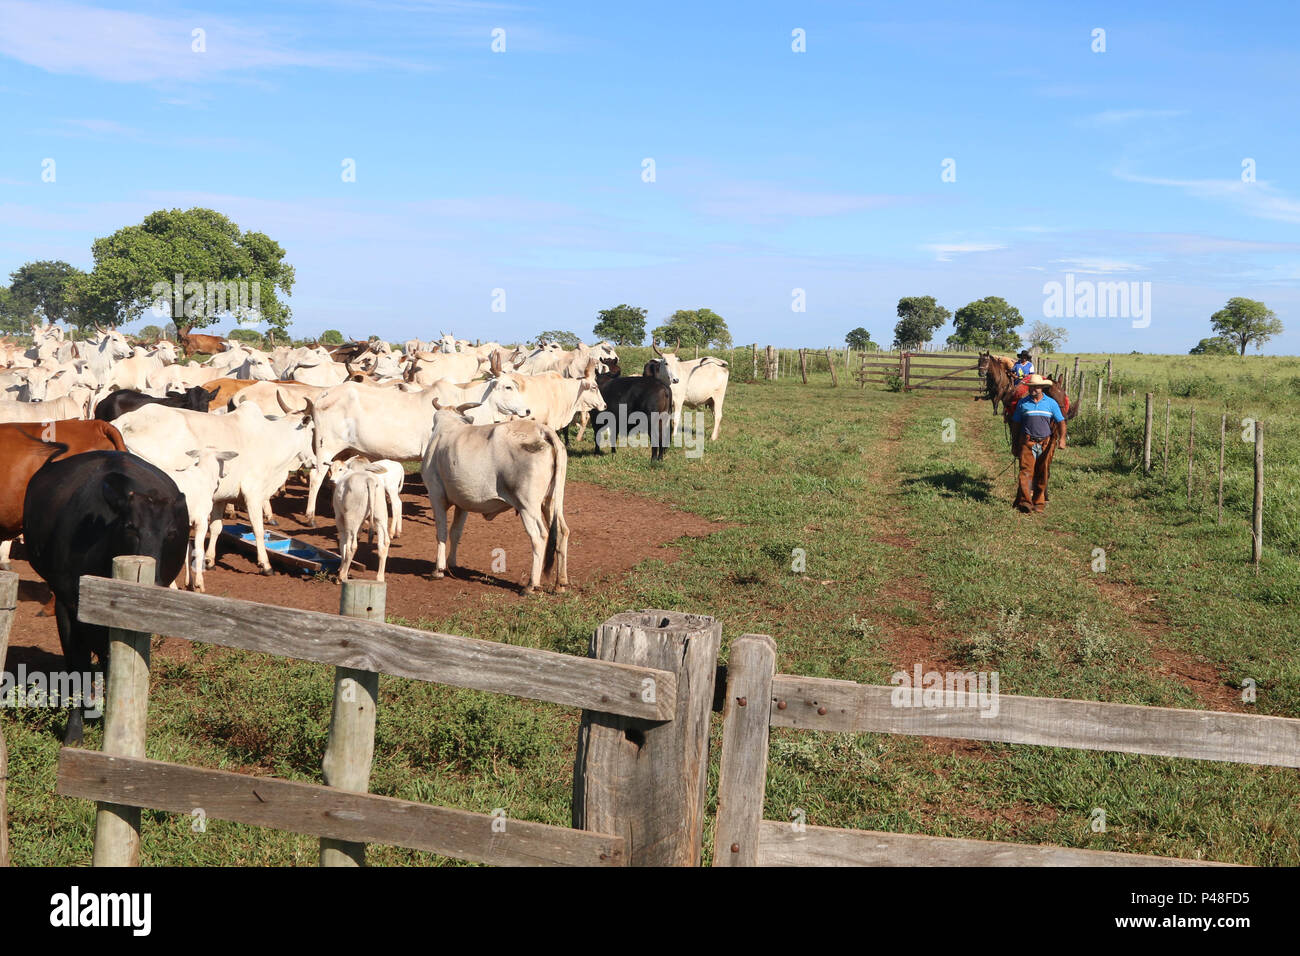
(903, 533)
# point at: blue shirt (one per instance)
(1021, 369)
(1037, 416)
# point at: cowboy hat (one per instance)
(1024, 354)
(1034, 379)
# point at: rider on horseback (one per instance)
(1024, 366)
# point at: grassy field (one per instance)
(913, 553)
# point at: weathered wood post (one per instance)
(907, 371)
(771, 363)
(126, 708)
(1191, 442)
(1257, 514)
(1223, 447)
(1146, 439)
(831, 362)
(1108, 362)
(755, 347)
(1098, 393)
(1165, 454)
(351, 747)
(803, 365)
(1076, 366)
(645, 780)
(8, 604)
(742, 769)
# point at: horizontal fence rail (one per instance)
(324, 811)
(820, 704)
(467, 662)
(785, 844)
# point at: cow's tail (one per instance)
(378, 506)
(553, 505)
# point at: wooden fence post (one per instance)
(1257, 515)
(1108, 361)
(1146, 439)
(8, 604)
(1223, 446)
(742, 768)
(755, 347)
(907, 370)
(645, 780)
(771, 372)
(351, 747)
(803, 365)
(126, 708)
(831, 362)
(1165, 455)
(1191, 442)
(1076, 366)
(1098, 393)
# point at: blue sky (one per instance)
(775, 170)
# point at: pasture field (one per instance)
(913, 555)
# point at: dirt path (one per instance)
(1139, 607)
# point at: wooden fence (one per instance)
(758, 698)
(650, 678)
(646, 691)
(942, 371)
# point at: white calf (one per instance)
(358, 495)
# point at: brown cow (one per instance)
(225, 390)
(197, 344)
(25, 447)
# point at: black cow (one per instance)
(128, 400)
(82, 512)
(638, 404)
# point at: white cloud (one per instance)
(128, 47)
(944, 251)
(1120, 117)
(1258, 199)
(1100, 266)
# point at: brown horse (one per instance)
(1000, 386)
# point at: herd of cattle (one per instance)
(113, 449)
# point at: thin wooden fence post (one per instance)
(1108, 361)
(831, 362)
(907, 371)
(742, 767)
(1076, 366)
(126, 708)
(755, 347)
(8, 604)
(351, 747)
(1098, 393)
(1146, 439)
(1223, 447)
(646, 780)
(1257, 515)
(771, 363)
(1165, 454)
(1191, 443)
(803, 365)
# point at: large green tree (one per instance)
(566, 340)
(919, 317)
(1245, 321)
(988, 323)
(702, 327)
(622, 325)
(45, 286)
(137, 267)
(860, 340)
(1219, 345)
(15, 314)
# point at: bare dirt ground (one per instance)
(610, 533)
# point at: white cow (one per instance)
(198, 482)
(75, 405)
(267, 447)
(375, 422)
(701, 381)
(391, 473)
(550, 398)
(489, 469)
(426, 367)
(358, 496)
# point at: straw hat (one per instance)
(1034, 379)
